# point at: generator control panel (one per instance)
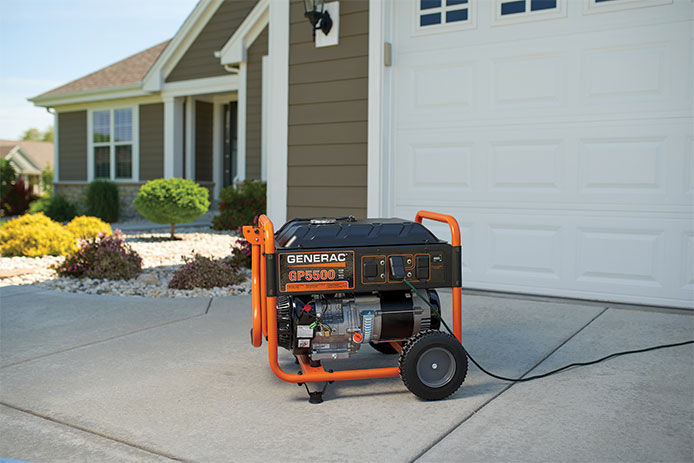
(377, 256)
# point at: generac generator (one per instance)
(324, 287)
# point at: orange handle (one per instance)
(455, 241)
(257, 339)
(253, 236)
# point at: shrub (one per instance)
(102, 200)
(102, 257)
(35, 235)
(241, 254)
(239, 205)
(7, 178)
(204, 272)
(17, 198)
(172, 201)
(87, 228)
(40, 204)
(60, 209)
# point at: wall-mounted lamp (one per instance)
(317, 16)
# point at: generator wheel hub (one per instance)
(435, 367)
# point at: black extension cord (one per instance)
(549, 373)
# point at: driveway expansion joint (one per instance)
(506, 388)
(96, 433)
(99, 341)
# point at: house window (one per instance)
(112, 143)
(432, 13)
(527, 10)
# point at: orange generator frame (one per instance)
(262, 240)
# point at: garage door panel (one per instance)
(601, 75)
(629, 166)
(528, 82)
(687, 258)
(632, 166)
(526, 166)
(620, 256)
(432, 170)
(523, 251)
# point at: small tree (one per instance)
(172, 201)
(47, 176)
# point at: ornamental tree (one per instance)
(172, 201)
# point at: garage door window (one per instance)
(512, 11)
(605, 6)
(435, 14)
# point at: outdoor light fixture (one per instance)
(314, 11)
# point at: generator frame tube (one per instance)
(264, 310)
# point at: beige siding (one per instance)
(199, 61)
(203, 141)
(328, 91)
(151, 141)
(254, 100)
(72, 145)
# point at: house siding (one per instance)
(328, 110)
(151, 141)
(254, 104)
(199, 61)
(203, 141)
(72, 145)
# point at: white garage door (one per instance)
(559, 133)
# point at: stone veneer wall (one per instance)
(126, 191)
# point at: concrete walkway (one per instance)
(99, 378)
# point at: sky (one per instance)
(47, 43)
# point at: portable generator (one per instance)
(324, 287)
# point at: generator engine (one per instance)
(333, 327)
(340, 283)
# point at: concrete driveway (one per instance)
(100, 378)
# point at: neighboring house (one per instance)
(28, 158)
(558, 132)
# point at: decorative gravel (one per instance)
(160, 258)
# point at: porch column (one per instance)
(190, 138)
(241, 125)
(217, 135)
(173, 137)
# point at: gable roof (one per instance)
(38, 153)
(130, 70)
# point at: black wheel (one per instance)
(433, 365)
(384, 348)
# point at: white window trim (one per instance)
(527, 16)
(470, 23)
(135, 144)
(593, 7)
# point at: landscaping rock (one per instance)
(160, 257)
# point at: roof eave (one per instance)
(95, 94)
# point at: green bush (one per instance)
(35, 235)
(102, 257)
(40, 204)
(60, 209)
(172, 201)
(240, 205)
(102, 200)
